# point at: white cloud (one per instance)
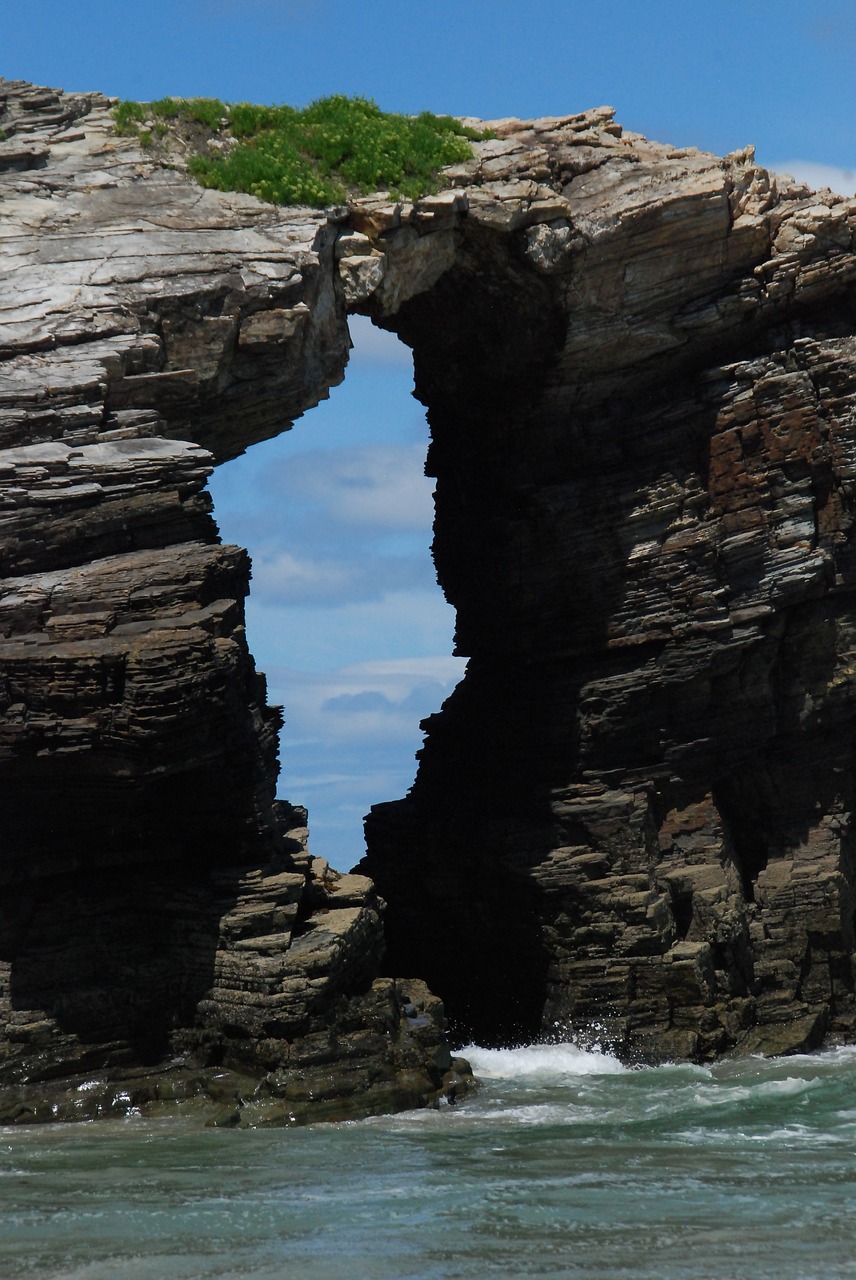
(283, 580)
(317, 637)
(286, 577)
(383, 485)
(350, 740)
(818, 176)
(364, 700)
(444, 668)
(379, 485)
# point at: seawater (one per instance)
(566, 1164)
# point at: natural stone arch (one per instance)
(635, 810)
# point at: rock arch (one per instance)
(636, 809)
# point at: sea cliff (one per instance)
(635, 812)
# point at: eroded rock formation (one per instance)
(164, 933)
(635, 812)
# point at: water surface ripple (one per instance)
(566, 1164)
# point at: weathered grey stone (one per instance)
(361, 276)
(168, 906)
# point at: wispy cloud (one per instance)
(285, 580)
(818, 176)
(351, 738)
(319, 636)
(365, 703)
(392, 693)
(379, 485)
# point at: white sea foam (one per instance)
(541, 1063)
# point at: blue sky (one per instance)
(345, 617)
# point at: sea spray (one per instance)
(541, 1062)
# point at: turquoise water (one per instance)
(565, 1165)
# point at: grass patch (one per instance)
(318, 155)
(166, 108)
(207, 111)
(129, 116)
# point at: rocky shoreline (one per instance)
(636, 809)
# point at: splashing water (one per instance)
(547, 1062)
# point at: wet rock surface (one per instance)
(384, 1050)
(633, 816)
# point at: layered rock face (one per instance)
(164, 932)
(634, 814)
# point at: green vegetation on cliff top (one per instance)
(317, 155)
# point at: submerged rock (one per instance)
(379, 1052)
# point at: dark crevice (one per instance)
(738, 800)
(682, 910)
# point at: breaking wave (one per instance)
(541, 1063)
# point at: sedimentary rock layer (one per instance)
(164, 932)
(635, 812)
